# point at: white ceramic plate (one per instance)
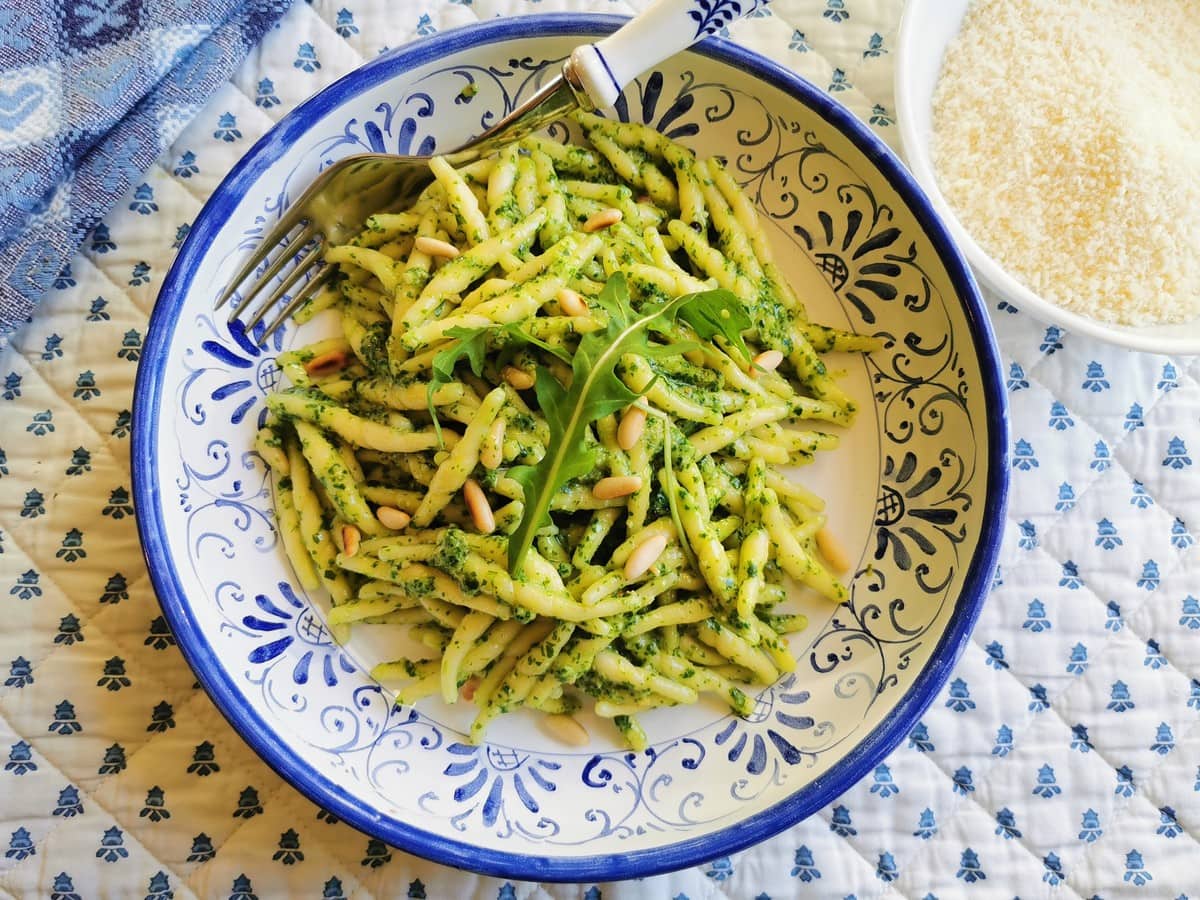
(926, 29)
(916, 491)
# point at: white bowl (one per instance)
(926, 29)
(916, 491)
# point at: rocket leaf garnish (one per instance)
(472, 345)
(596, 391)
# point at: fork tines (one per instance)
(305, 278)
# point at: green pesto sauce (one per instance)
(774, 324)
(509, 209)
(523, 422)
(452, 552)
(374, 348)
(419, 587)
(680, 371)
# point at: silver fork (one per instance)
(336, 205)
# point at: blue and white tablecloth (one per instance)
(1062, 760)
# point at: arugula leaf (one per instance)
(672, 486)
(595, 392)
(472, 345)
(712, 313)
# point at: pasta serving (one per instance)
(549, 439)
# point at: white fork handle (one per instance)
(658, 32)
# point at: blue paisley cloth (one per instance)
(91, 92)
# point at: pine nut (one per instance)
(645, 555)
(434, 247)
(481, 510)
(633, 423)
(518, 378)
(326, 363)
(616, 486)
(571, 303)
(467, 691)
(768, 361)
(566, 729)
(491, 454)
(350, 538)
(390, 517)
(831, 548)
(602, 219)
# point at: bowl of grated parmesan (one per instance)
(1061, 145)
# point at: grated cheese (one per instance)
(1066, 136)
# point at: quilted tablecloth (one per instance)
(1063, 758)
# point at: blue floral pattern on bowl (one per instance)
(921, 508)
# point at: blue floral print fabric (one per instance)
(91, 92)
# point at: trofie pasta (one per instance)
(548, 439)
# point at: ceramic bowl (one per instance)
(916, 491)
(927, 28)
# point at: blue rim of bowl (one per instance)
(253, 728)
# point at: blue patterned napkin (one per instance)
(91, 92)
